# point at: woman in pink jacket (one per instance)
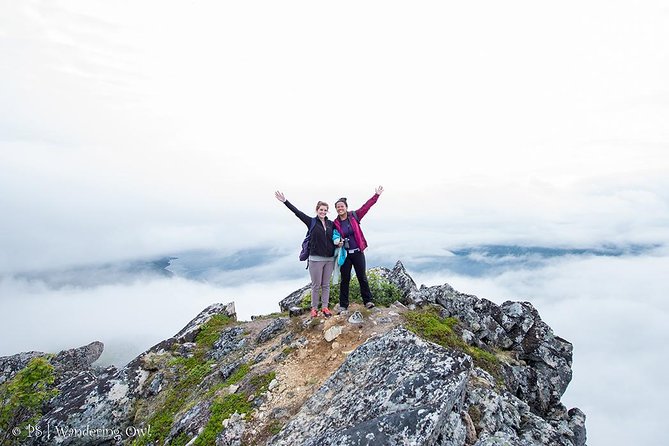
(348, 225)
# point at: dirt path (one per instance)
(307, 366)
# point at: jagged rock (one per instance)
(233, 430)
(273, 328)
(190, 422)
(296, 311)
(64, 363)
(190, 331)
(501, 416)
(544, 379)
(228, 369)
(514, 326)
(384, 394)
(294, 299)
(156, 385)
(286, 340)
(231, 339)
(78, 358)
(399, 277)
(11, 365)
(577, 425)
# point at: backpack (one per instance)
(304, 253)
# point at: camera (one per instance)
(346, 243)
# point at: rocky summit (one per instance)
(434, 366)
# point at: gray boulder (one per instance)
(294, 299)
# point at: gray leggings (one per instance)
(320, 273)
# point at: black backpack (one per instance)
(304, 253)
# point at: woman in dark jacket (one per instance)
(321, 253)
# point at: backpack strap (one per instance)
(311, 228)
(355, 216)
(313, 223)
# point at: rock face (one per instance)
(391, 389)
(104, 400)
(219, 381)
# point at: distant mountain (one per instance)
(493, 259)
(101, 273)
(268, 263)
(201, 264)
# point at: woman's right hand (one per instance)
(279, 196)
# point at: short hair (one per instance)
(322, 203)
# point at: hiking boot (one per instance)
(370, 305)
(326, 312)
(343, 311)
(314, 312)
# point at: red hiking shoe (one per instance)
(314, 312)
(326, 312)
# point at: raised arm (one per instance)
(298, 213)
(369, 203)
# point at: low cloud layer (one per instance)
(612, 309)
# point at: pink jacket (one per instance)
(357, 232)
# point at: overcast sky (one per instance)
(137, 129)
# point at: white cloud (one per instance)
(124, 138)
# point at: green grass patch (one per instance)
(383, 292)
(238, 374)
(221, 409)
(211, 331)
(180, 440)
(22, 398)
(443, 331)
(274, 315)
(260, 383)
(275, 427)
(288, 350)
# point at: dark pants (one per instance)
(357, 261)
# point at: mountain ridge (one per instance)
(403, 375)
